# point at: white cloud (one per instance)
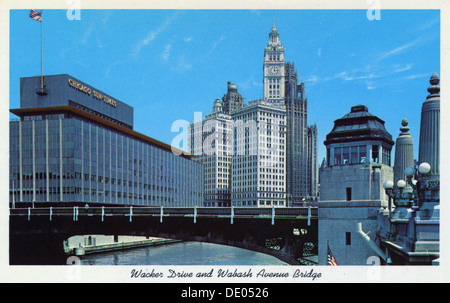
(399, 69)
(396, 50)
(152, 35)
(415, 76)
(166, 52)
(258, 84)
(108, 69)
(370, 85)
(313, 79)
(215, 44)
(188, 39)
(319, 52)
(426, 25)
(368, 72)
(182, 64)
(86, 35)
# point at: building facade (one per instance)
(284, 106)
(351, 186)
(210, 139)
(76, 145)
(259, 159)
(232, 100)
(281, 86)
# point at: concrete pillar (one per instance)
(404, 153)
(429, 127)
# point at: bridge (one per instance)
(37, 234)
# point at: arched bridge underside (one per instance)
(37, 235)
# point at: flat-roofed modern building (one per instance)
(74, 144)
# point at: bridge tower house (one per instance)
(358, 163)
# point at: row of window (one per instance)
(274, 57)
(359, 155)
(133, 163)
(260, 203)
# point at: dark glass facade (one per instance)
(59, 155)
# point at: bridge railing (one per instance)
(217, 211)
(288, 212)
(252, 212)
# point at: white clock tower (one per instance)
(274, 68)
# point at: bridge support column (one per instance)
(232, 214)
(273, 215)
(309, 215)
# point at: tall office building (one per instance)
(232, 100)
(284, 107)
(274, 68)
(210, 140)
(281, 85)
(259, 159)
(312, 177)
(75, 145)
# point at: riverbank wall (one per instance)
(92, 244)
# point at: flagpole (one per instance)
(42, 69)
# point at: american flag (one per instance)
(331, 260)
(36, 15)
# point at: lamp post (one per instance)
(427, 189)
(428, 186)
(403, 199)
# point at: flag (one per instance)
(36, 15)
(331, 260)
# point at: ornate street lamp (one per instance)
(426, 188)
(403, 198)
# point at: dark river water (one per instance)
(183, 253)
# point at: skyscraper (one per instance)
(258, 162)
(210, 140)
(232, 100)
(274, 68)
(281, 136)
(281, 85)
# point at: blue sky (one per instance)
(168, 64)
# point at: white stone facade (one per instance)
(259, 161)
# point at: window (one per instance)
(354, 155)
(337, 156)
(362, 154)
(348, 238)
(346, 155)
(375, 156)
(349, 193)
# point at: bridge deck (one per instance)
(235, 212)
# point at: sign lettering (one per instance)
(87, 90)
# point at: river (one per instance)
(182, 253)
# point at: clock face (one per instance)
(274, 70)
